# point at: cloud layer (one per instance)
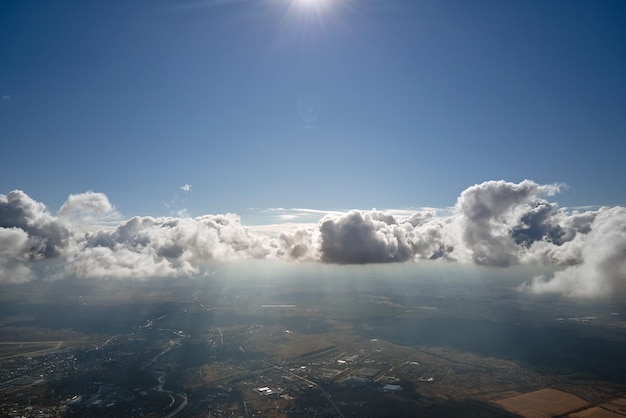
(495, 223)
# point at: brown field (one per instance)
(612, 409)
(544, 403)
(616, 405)
(595, 412)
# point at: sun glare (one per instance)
(311, 19)
(313, 3)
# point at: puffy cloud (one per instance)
(88, 204)
(166, 247)
(535, 225)
(139, 248)
(494, 219)
(47, 237)
(121, 262)
(562, 239)
(14, 247)
(186, 188)
(358, 238)
(88, 211)
(435, 239)
(297, 245)
(602, 272)
(495, 223)
(377, 237)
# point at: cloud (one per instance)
(88, 208)
(88, 203)
(14, 248)
(495, 223)
(273, 231)
(7, 97)
(122, 262)
(299, 244)
(174, 205)
(602, 271)
(47, 237)
(358, 238)
(27, 233)
(288, 217)
(489, 214)
(366, 237)
(299, 214)
(167, 247)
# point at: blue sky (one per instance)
(334, 104)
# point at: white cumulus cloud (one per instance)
(167, 247)
(602, 268)
(495, 223)
(14, 247)
(88, 209)
(47, 236)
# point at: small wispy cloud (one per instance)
(177, 204)
(302, 212)
(7, 97)
(288, 217)
(314, 215)
(183, 213)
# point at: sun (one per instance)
(310, 20)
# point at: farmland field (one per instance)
(544, 403)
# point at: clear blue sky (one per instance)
(331, 105)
